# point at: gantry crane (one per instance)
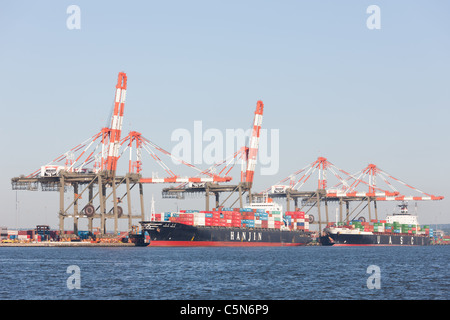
(103, 151)
(345, 191)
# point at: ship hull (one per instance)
(171, 234)
(374, 240)
(138, 240)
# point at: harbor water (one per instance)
(259, 273)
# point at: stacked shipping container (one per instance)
(297, 220)
(3, 233)
(382, 226)
(238, 218)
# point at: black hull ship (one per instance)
(399, 229)
(163, 234)
(338, 239)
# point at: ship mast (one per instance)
(152, 210)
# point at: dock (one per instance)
(66, 244)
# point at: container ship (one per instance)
(399, 229)
(259, 224)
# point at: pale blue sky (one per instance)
(331, 86)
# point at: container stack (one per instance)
(238, 218)
(297, 220)
(162, 216)
(84, 235)
(3, 233)
(25, 235)
(247, 217)
(381, 226)
(12, 234)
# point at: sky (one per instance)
(331, 86)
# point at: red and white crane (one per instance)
(103, 150)
(116, 123)
(347, 186)
(374, 174)
(254, 143)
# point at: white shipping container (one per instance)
(200, 221)
(23, 237)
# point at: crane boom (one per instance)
(254, 143)
(116, 122)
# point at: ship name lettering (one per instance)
(257, 236)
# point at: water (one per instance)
(226, 273)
